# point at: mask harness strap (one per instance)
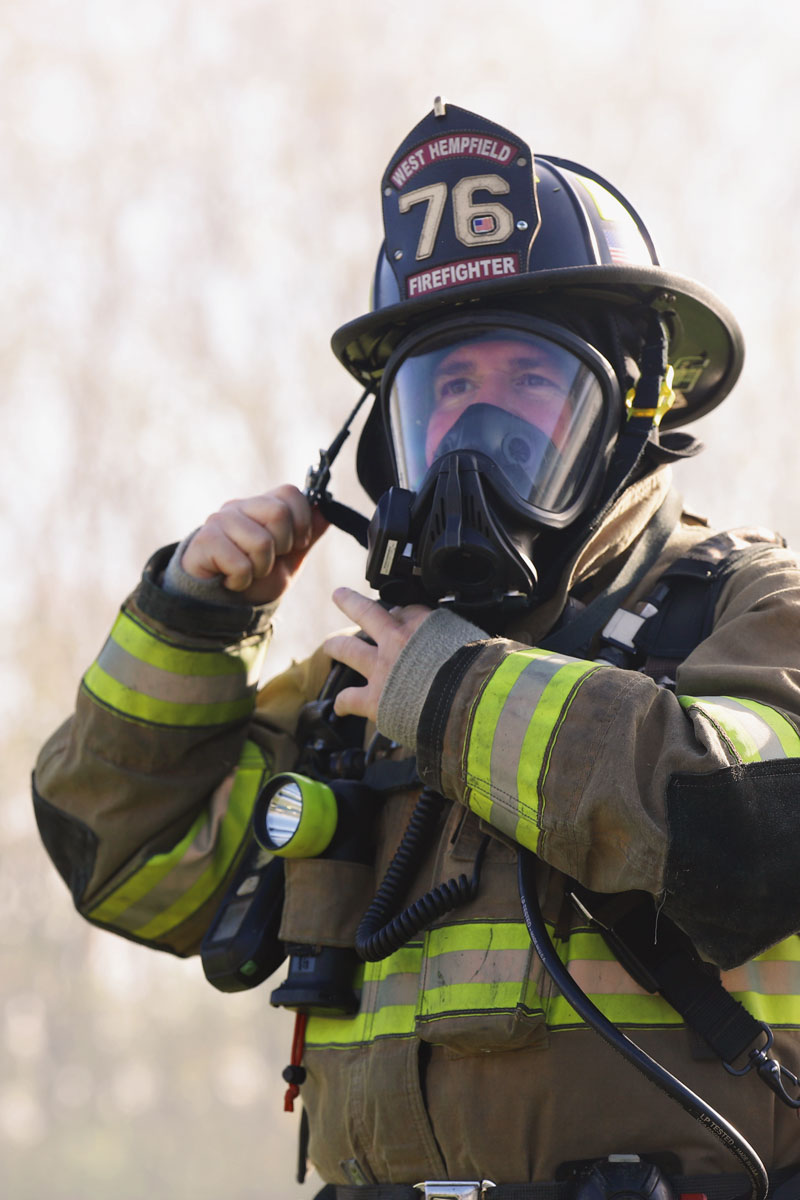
(318, 478)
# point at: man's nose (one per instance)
(493, 388)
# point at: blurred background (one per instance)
(189, 206)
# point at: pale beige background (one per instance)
(189, 206)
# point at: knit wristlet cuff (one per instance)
(219, 617)
(427, 650)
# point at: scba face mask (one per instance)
(499, 429)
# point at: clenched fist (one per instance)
(256, 545)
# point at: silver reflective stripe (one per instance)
(168, 685)
(753, 732)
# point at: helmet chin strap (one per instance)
(318, 479)
(646, 405)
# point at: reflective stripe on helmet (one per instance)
(144, 677)
(752, 732)
(164, 891)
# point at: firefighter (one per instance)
(558, 658)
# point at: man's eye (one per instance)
(451, 389)
(534, 379)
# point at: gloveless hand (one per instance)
(389, 630)
(257, 544)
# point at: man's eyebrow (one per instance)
(454, 368)
(468, 364)
(530, 360)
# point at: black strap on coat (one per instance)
(661, 958)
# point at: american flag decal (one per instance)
(486, 224)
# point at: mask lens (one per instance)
(532, 406)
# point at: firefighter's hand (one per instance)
(257, 544)
(389, 630)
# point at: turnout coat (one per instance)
(463, 1061)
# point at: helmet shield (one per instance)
(540, 407)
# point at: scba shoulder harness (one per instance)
(679, 612)
(675, 618)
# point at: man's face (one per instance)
(532, 381)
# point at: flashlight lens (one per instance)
(295, 816)
(284, 812)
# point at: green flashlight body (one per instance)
(296, 816)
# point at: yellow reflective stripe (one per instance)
(143, 677)
(769, 987)
(652, 1011)
(780, 1012)
(587, 944)
(785, 951)
(607, 984)
(640, 1010)
(451, 1000)
(477, 967)
(147, 646)
(169, 887)
(487, 713)
(536, 750)
(477, 935)
(388, 1004)
(140, 707)
(755, 732)
(517, 715)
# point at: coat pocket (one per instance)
(480, 988)
(325, 900)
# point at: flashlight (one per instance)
(295, 816)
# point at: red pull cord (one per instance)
(294, 1074)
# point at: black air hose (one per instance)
(698, 1108)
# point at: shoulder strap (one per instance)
(679, 612)
(694, 583)
(576, 637)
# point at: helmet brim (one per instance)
(706, 344)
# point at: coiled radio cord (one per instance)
(380, 933)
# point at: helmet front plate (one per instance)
(459, 204)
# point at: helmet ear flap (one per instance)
(374, 459)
